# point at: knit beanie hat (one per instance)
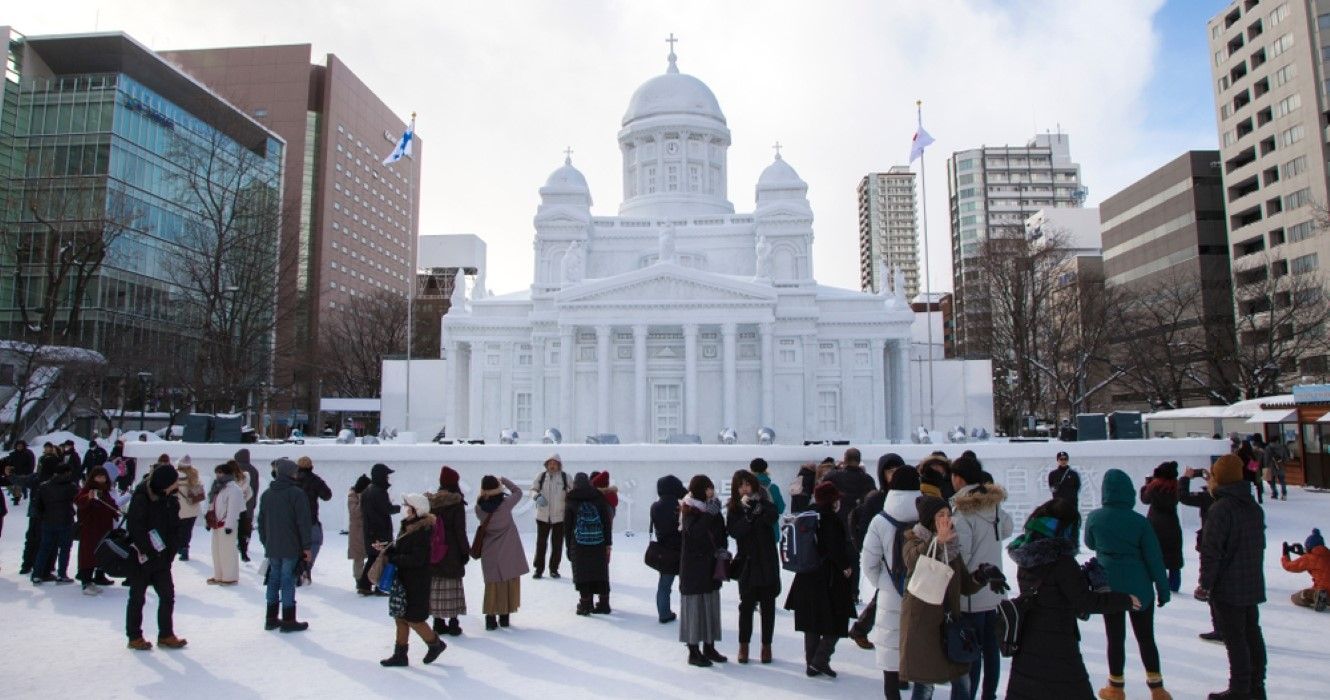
(1314, 541)
(1227, 469)
(929, 507)
(416, 502)
(826, 493)
(448, 477)
(162, 478)
(185, 462)
(905, 479)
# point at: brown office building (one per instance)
(350, 227)
(1164, 240)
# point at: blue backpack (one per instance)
(588, 530)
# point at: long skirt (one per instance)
(699, 618)
(447, 598)
(225, 557)
(504, 597)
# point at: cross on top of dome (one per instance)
(671, 41)
(568, 156)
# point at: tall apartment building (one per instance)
(1164, 234)
(1269, 62)
(888, 228)
(351, 223)
(98, 139)
(992, 191)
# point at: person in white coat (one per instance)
(981, 525)
(882, 562)
(226, 502)
(548, 491)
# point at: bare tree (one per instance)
(1280, 323)
(1075, 341)
(226, 264)
(354, 342)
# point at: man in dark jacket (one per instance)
(1200, 500)
(53, 505)
(22, 464)
(1233, 578)
(376, 510)
(853, 483)
(46, 466)
(70, 457)
(246, 527)
(94, 457)
(316, 489)
(284, 523)
(665, 527)
(153, 524)
(1065, 482)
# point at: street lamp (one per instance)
(144, 378)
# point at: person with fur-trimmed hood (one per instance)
(447, 597)
(409, 602)
(981, 525)
(884, 566)
(589, 532)
(1315, 560)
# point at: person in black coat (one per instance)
(1065, 482)
(284, 525)
(801, 491)
(53, 505)
(750, 519)
(22, 464)
(588, 529)
(1201, 501)
(665, 528)
(46, 466)
(70, 458)
(410, 553)
(1048, 663)
(316, 489)
(703, 536)
(1160, 492)
(821, 599)
(95, 456)
(376, 511)
(1233, 576)
(447, 596)
(153, 525)
(246, 528)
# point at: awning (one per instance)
(1324, 419)
(1278, 415)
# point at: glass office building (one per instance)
(100, 136)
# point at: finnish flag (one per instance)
(403, 147)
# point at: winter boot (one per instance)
(100, 579)
(861, 639)
(709, 651)
(454, 628)
(696, 658)
(398, 658)
(289, 623)
(743, 653)
(139, 644)
(602, 605)
(91, 589)
(1212, 636)
(184, 555)
(491, 624)
(271, 622)
(171, 642)
(1155, 681)
(1114, 690)
(584, 604)
(503, 620)
(440, 626)
(436, 647)
(766, 653)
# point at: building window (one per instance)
(522, 411)
(1306, 263)
(828, 411)
(1300, 198)
(826, 354)
(1282, 44)
(1292, 135)
(667, 410)
(1297, 166)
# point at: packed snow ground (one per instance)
(60, 643)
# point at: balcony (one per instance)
(1241, 189)
(1243, 157)
(1245, 217)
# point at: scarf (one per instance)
(489, 504)
(218, 484)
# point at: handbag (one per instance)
(960, 638)
(375, 571)
(210, 521)
(397, 599)
(930, 578)
(388, 577)
(661, 558)
(478, 544)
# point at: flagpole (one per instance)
(928, 277)
(411, 277)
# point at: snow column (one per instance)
(880, 412)
(728, 333)
(690, 378)
(566, 350)
(603, 379)
(768, 375)
(640, 382)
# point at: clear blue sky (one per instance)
(1181, 99)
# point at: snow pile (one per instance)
(549, 651)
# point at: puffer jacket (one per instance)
(981, 525)
(875, 560)
(553, 487)
(1125, 543)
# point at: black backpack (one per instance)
(1011, 615)
(116, 554)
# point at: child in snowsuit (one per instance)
(1316, 561)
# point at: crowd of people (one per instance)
(930, 540)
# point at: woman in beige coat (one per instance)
(190, 495)
(503, 560)
(226, 502)
(355, 528)
(923, 654)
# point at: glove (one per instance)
(541, 500)
(228, 530)
(993, 576)
(1287, 549)
(1201, 594)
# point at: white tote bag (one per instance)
(930, 578)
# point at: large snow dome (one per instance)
(673, 93)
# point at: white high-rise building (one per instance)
(888, 229)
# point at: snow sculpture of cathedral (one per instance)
(678, 316)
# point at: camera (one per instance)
(1294, 549)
